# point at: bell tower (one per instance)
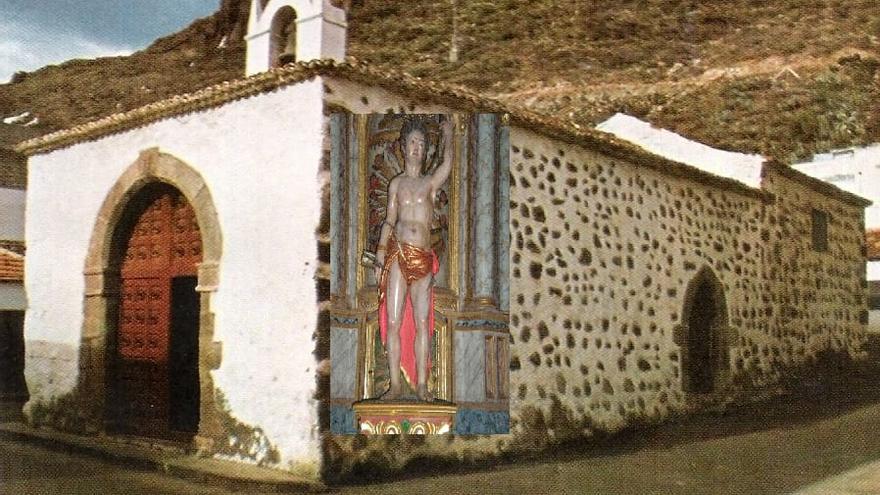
(283, 31)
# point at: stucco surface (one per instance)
(259, 158)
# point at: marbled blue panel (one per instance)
(485, 206)
(343, 362)
(337, 193)
(354, 186)
(470, 365)
(503, 233)
(477, 422)
(342, 420)
(464, 218)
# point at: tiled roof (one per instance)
(872, 239)
(452, 96)
(455, 97)
(11, 266)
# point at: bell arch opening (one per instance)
(282, 40)
(703, 335)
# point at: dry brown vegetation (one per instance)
(713, 71)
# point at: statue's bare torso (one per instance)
(415, 203)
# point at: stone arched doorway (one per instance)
(703, 335)
(153, 380)
(148, 344)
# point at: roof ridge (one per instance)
(451, 95)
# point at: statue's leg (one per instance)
(395, 297)
(420, 295)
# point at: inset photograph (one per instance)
(419, 274)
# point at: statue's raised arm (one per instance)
(442, 172)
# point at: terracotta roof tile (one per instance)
(453, 96)
(872, 239)
(11, 266)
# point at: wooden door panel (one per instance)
(186, 240)
(144, 319)
(164, 243)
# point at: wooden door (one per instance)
(164, 246)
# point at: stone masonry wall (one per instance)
(601, 255)
(602, 252)
(813, 300)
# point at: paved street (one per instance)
(775, 461)
(826, 454)
(27, 469)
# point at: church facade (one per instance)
(180, 281)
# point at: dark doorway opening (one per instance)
(183, 360)
(701, 350)
(13, 389)
(704, 340)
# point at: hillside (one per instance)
(785, 78)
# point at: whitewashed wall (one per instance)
(259, 158)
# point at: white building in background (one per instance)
(857, 170)
(12, 219)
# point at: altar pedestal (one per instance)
(376, 417)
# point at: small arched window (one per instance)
(282, 44)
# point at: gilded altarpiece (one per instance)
(470, 238)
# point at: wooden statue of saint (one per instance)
(405, 262)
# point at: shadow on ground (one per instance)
(829, 386)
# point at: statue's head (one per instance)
(414, 144)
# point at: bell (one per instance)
(286, 58)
